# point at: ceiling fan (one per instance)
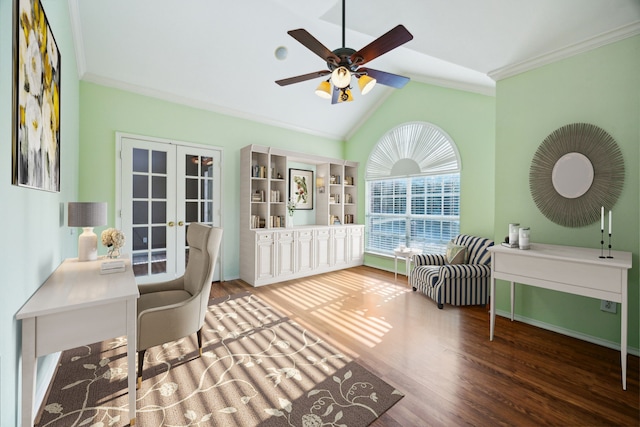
(344, 62)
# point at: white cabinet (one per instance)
(356, 244)
(285, 256)
(323, 248)
(292, 253)
(269, 251)
(265, 257)
(305, 251)
(340, 247)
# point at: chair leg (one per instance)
(199, 334)
(140, 363)
(440, 305)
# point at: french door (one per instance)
(165, 186)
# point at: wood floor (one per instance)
(444, 362)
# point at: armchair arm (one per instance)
(464, 271)
(157, 325)
(429, 259)
(171, 285)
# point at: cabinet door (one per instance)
(356, 244)
(265, 256)
(305, 251)
(340, 249)
(285, 254)
(323, 249)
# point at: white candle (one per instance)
(609, 222)
(602, 218)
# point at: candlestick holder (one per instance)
(602, 244)
(609, 256)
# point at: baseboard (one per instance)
(568, 332)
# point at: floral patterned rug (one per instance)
(258, 368)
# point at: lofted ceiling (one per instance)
(220, 55)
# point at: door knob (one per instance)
(171, 224)
(181, 223)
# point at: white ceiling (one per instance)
(219, 55)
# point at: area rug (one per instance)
(258, 368)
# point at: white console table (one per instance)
(77, 306)
(569, 269)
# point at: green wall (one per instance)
(601, 87)
(106, 111)
(35, 236)
(468, 118)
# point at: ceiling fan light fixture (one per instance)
(341, 77)
(345, 95)
(366, 83)
(324, 90)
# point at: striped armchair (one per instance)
(457, 284)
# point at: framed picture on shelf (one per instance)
(36, 99)
(301, 188)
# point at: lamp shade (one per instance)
(341, 77)
(87, 214)
(366, 83)
(345, 95)
(324, 90)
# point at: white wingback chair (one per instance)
(172, 310)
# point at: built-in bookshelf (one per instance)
(264, 194)
(269, 250)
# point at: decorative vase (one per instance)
(290, 221)
(113, 252)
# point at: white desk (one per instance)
(78, 306)
(573, 270)
(407, 254)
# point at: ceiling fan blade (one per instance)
(303, 77)
(383, 44)
(384, 78)
(314, 45)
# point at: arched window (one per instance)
(413, 190)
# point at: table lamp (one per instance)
(87, 215)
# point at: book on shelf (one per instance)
(257, 196)
(348, 219)
(275, 196)
(348, 180)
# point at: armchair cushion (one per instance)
(456, 254)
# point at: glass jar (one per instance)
(523, 238)
(513, 233)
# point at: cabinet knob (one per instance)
(171, 224)
(181, 223)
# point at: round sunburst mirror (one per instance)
(577, 169)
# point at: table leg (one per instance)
(513, 298)
(395, 268)
(623, 332)
(131, 359)
(29, 367)
(492, 304)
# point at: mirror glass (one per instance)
(572, 175)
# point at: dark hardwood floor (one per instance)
(444, 362)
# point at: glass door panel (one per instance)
(199, 170)
(147, 212)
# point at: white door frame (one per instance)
(118, 181)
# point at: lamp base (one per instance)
(87, 245)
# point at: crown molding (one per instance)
(595, 42)
(455, 84)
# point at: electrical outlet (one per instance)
(609, 306)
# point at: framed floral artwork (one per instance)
(36, 99)
(301, 188)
